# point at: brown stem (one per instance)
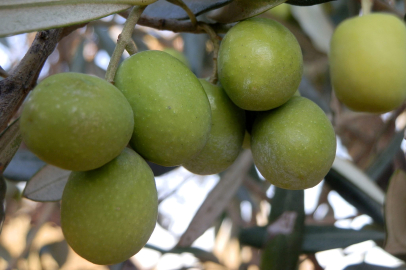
(23, 78)
(122, 42)
(185, 7)
(216, 43)
(3, 73)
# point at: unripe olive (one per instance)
(76, 121)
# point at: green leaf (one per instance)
(282, 251)
(386, 157)
(357, 188)
(164, 9)
(316, 238)
(32, 15)
(217, 199)
(10, 140)
(47, 185)
(307, 2)
(395, 214)
(242, 9)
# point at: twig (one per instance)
(216, 43)
(45, 215)
(131, 48)
(366, 6)
(176, 25)
(24, 77)
(185, 7)
(3, 73)
(122, 41)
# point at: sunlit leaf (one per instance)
(164, 9)
(217, 199)
(357, 188)
(10, 141)
(395, 214)
(16, 17)
(316, 24)
(47, 185)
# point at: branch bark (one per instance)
(23, 78)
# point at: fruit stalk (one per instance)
(131, 47)
(122, 42)
(366, 6)
(216, 44)
(189, 12)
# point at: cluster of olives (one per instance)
(169, 117)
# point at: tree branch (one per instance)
(176, 25)
(23, 78)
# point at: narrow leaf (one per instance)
(316, 24)
(282, 251)
(316, 238)
(166, 10)
(395, 214)
(47, 185)
(307, 2)
(24, 16)
(10, 141)
(23, 166)
(242, 9)
(356, 188)
(217, 200)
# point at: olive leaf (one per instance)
(357, 188)
(47, 185)
(166, 10)
(395, 214)
(217, 199)
(10, 140)
(32, 15)
(242, 9)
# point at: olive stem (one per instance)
(3, 73)
(131, 48)
(189, 12)
(216, 44)
(366, 6)
(122, 42)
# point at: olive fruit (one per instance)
(76, 122)
(294, 145)
(368, 62)
(260, 64)
(108, 214)
(172, 116)
(226, 135)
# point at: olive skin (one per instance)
(108, 214)
(172, 115)
(226, 135)
(294, 145)
(76, 122)
(368, 63)
(260, 64)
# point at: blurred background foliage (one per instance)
(346, 222)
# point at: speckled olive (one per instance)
(108, 214)
(293, 145)
(260, 64)
(75, 121)
(172, 114)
